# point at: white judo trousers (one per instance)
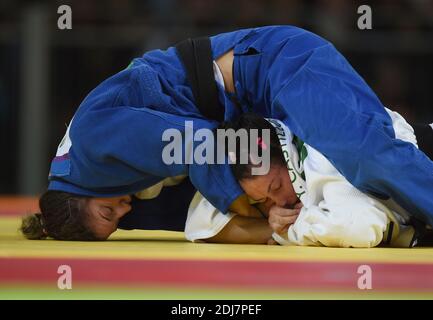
(334, 214)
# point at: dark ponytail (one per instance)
(32, 228)
(63, 217)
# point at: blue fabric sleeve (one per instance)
(329, 106)
(125, 145)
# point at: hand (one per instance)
(280, 219)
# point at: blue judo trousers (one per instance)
(281, 72)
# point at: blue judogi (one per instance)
(280, 72)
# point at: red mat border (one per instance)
(223, 274)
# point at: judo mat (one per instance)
(160, 265)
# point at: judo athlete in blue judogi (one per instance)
(113, 145)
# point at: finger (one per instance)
(276, 227)
(286, 228)
(283, 211)
(282, 223)
(288, 220)
(282, 220)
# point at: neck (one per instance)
(225, 63)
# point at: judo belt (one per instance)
(196, 56)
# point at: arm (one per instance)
(205, 222)
(329, 106)
(244, 230)
(134, 153)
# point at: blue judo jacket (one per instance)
(280, 72)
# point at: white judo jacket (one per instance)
(334, 214)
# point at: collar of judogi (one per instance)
(294, 153)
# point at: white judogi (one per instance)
(334, 214)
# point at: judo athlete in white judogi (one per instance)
(334, 212)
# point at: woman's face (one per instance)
(275, 186)
(105, 213)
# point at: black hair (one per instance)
(62, 217)
(249, 121)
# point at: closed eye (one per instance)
(107, 213)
